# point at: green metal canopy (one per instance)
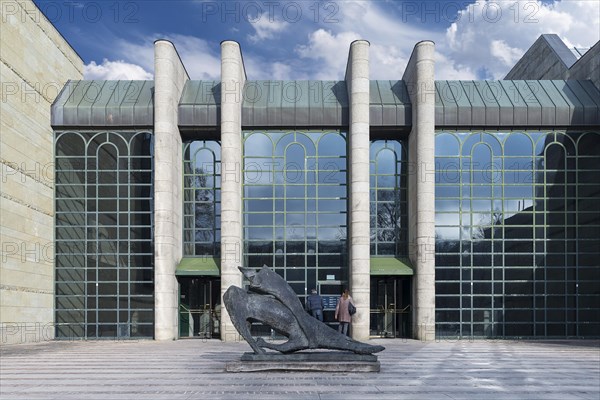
(99, 104)
(199, 266)
(391, 266)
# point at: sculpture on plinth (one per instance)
(272, 301)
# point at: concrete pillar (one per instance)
(169, 78)
(233, 77)
(357, 80)
(420, 79)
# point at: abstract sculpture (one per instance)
(272, 301)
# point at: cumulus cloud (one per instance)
(200, 57)
(264, 28)
(508, 55)
(485, 41)
(489, 37)
(115, 70)
(331, 50)
(446, 69)
(281, 71)
(392, 41)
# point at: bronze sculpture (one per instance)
(273, 302)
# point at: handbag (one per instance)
(351, 309)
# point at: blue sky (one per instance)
(310, 39)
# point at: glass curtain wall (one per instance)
(390, 295)
(104, 252)
(295, 207)
(199, 296)
(388, 198)
(202, 198)
(517, 234)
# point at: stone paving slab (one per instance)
(195, 369)
(309, 366)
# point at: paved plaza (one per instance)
(194, 369)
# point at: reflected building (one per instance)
(448, 208)
(521, 263)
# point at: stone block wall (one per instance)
(35, 63)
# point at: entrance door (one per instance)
(390, 307)
(199, 308)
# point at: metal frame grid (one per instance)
(295, 206)
(388, 198)
(103, 224)
(202, 198)
(517, 234)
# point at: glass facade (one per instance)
(517, 229)
(104, 250)
(517, 234)
(202, 198)
(295, 207)
(390, 296)
(388, 194)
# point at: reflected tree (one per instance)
(204, 198)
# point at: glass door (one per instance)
(199, 308)
(390, 307)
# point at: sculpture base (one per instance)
(318, 361)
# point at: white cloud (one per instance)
(331, 50)
(387, 61)
(115, 70)
(200, 57)
(508, 55)
(281, 71)
(490, 37)
(445, 69)
(391, 40)
(265, 28)
(485, 42)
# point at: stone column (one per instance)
(169, 78)
(233, 77)
(357, 80)
(420, 80)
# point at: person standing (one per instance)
(342, 314)
(314, 305)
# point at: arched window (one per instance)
(389, 205)
(104, 250)
(202, 198)
(516, 214)
(295, 205)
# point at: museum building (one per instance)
(450, 209)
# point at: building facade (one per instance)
(448, 208)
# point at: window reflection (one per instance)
(201, 179)
(389, 218)
(295, 197)
(522, 228)
(104, 235)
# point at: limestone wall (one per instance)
(35, 63)
(169, 80)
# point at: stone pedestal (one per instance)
(310, 361)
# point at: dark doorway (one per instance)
(199, 307)
(390, 307)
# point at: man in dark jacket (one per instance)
(314, 305)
